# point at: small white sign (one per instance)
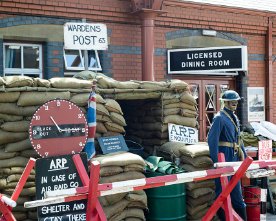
(85, 36)
(183, 134)
(265, 150)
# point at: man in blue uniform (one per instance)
(224, 137)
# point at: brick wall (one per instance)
(123, 59)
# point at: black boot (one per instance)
(242, 213)
(221, 214)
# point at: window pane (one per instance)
(31, 57)
(12, 56)
(73, 58)
(92, 60)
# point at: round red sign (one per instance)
(58, 127)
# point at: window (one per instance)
(74, 60)
(22, 59)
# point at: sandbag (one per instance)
(178, 84)
(116, 208)
(111, 199)
(8, 137)
(4, 155)
(102, 110)
(195, 150)
(8, 117)
(179, 120)
(110, 170)
(114, 127)
(18, 81)
(118, 118)
(199, 192)
(127, 85)
(18, 146)
(13, 109)
(120, 159)
(113, 106)
(16, 126)
(172, 148)
(188, 98)
(9, 97)
(103, 118)
(129, 213)
(137, 95)
(70, 83)
(17, 161)
(39, 98)
(39, 82)
(200, 184)
(194, 210)
(106, 82)
(153, 85)
(200, 161)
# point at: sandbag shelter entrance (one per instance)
(149, 109)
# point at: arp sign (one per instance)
(183, 134)
(85, 36)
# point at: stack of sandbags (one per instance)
(18, 102)
(200, 195)
(118, 167)
(148, 120)
(194, 158)
(21, 96)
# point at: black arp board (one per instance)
(57, 173)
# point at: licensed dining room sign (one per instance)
(198, 60)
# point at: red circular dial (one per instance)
(58, 127)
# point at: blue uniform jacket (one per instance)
(223, 129)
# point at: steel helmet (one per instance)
(230, 95)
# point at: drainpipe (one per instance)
(147, 10)
(269, 77)
(147, 17)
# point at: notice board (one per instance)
(57, 173)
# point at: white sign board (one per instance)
(183, 134)
(265, 150)
(85, 36)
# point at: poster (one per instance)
(256, 104)
(265, 150)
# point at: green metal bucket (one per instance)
(166, 202)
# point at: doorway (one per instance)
(207, 93)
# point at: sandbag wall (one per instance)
(200, 195)
(19, 99)
(21, 96)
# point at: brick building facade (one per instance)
(177, 24)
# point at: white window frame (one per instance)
(22, 71)
(68, 68)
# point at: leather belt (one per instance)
(228, 144)
(236, 147)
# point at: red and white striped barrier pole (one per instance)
(257, 164)
(72, 194)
